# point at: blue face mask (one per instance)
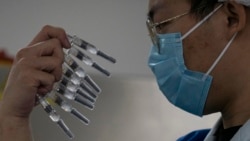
(184, 88)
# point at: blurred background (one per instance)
(130, 106)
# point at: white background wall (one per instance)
(115, 26)
(130, 107)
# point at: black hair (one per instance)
(202, 7)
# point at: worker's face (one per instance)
(199, 43)
(201, 47)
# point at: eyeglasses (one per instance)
(152, 28)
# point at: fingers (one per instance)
(46, 56)
(51, 47)
(46, 81)
(35, 69)
(41, 81)
(49, 32)
(48, 64)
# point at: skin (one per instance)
(36, 68)
(230, 91)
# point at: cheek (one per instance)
(203, 46)
(198, 53)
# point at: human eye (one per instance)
(162, 27)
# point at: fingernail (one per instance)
(67, 43)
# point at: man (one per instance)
(201, 67)
(200, 57)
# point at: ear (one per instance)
(236, 16)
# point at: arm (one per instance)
(15, 128)
(34, 71)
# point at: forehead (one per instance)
(167, 7)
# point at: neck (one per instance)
(235, 120)
(238, 112)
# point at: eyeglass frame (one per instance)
(152, 27)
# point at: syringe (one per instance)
(79, 76)
(60, 89)
(89, 47)
(55, 117)
(83, 57)
(76, 88)
(68, 108)
(75, 84)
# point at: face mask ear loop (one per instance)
(219, 57)
(201, 22)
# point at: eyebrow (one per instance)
(153, 10)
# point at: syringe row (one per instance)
(75, 84)
(74, 40)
